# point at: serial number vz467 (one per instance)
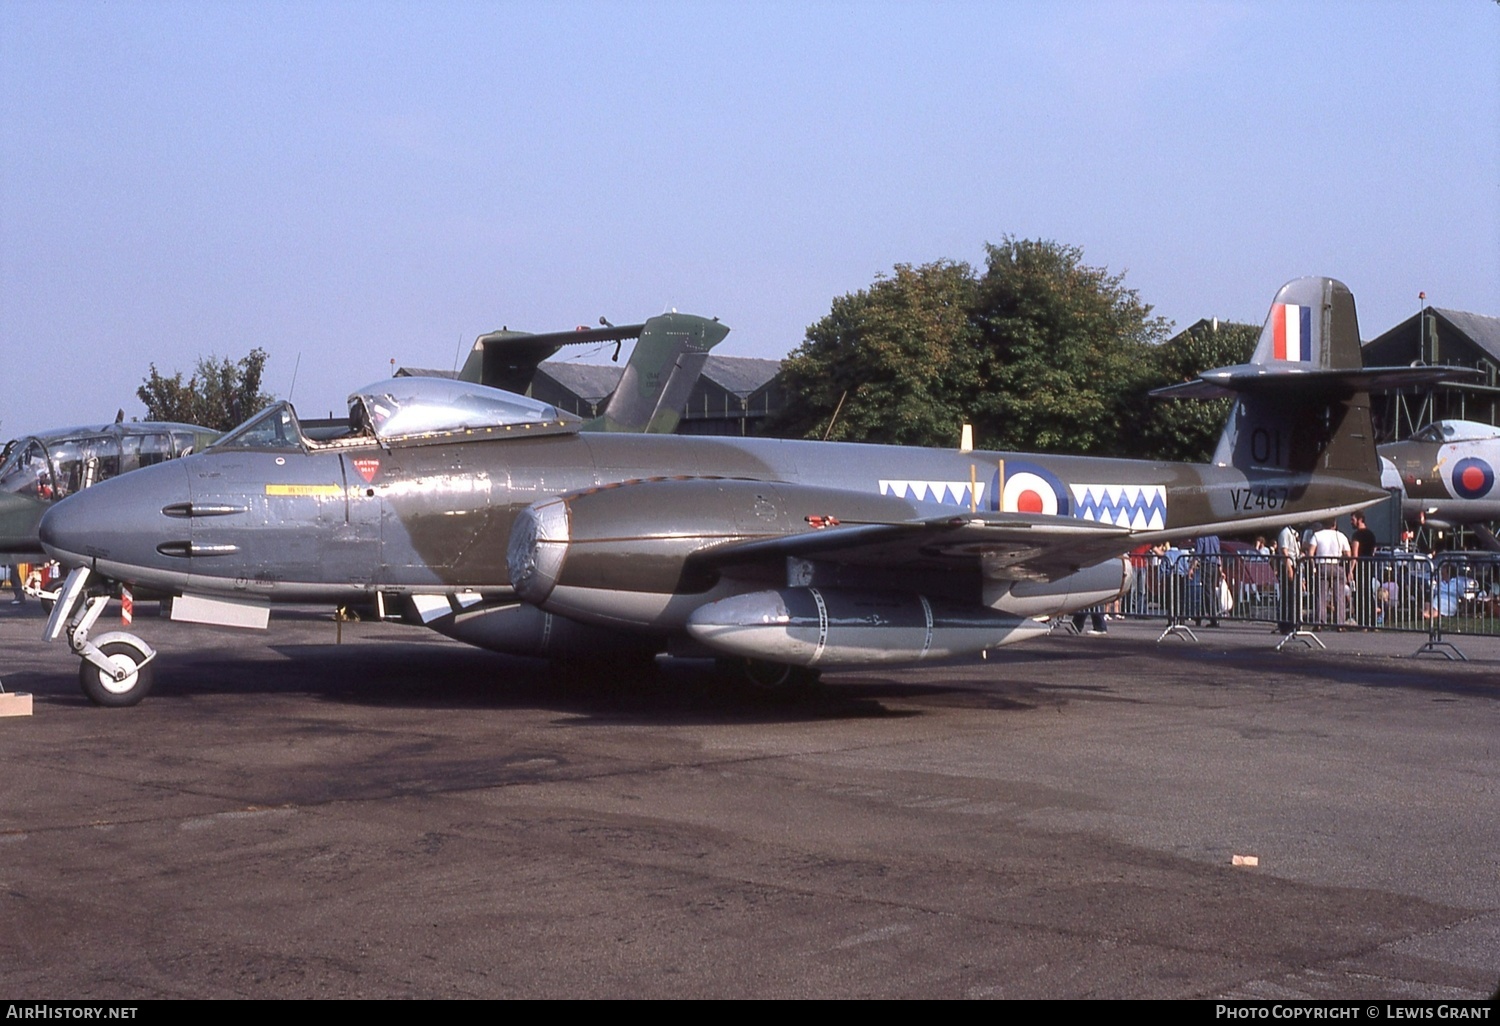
(1247, 499)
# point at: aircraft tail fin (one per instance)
(1302, 403)
(663, 368)
(509, 359)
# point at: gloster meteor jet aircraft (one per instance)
(494, 520)
(1446, 473)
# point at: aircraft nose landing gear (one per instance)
(116, 669)
(129, 678)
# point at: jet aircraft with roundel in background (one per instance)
(1446, 473)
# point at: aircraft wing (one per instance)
(1005, 546)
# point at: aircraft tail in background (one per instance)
(663, 367)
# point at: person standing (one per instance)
(1362, 570)
(1330, 555)
(1095, 614)
(1208, 569)
(1288, 551)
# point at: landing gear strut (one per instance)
(116, 668)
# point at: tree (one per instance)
(219, 395)
(1189, 429)
(896, 361)
(1041, 352)
(1064, 347)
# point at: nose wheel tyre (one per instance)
(102, 689)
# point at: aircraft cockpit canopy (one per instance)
(415, 410)
(1456, 431)
(275, 427)
(52, 466)
(407, 411)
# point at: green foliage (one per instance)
(1188, 429)
(900, 356)
(1040, 352)
(220, 395)
(1063, 347)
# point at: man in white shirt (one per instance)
(1330, 554)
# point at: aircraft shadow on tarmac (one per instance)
(677, 691)
(421, 675)
(423, 671)
(415, 672)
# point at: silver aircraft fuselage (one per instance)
(1446, 473)
(296, 524)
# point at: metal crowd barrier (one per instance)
(1230, 586)
(1464, 599)
(1456, 593)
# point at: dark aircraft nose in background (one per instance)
(119, 520)
(18, 522)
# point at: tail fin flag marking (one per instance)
(1292, 332)
(1302, 403)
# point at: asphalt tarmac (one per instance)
(402, 816)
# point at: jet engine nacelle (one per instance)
(832, 627)
(1091, 586)
(621, 555)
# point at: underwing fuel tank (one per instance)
(517, 629)
(835, 627)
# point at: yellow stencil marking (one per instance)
(303, 489)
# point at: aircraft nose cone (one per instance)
(64, 527)
(119, 520)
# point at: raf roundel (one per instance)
(1030, 488)
(1472, 478)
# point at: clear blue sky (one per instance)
(356, 182)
